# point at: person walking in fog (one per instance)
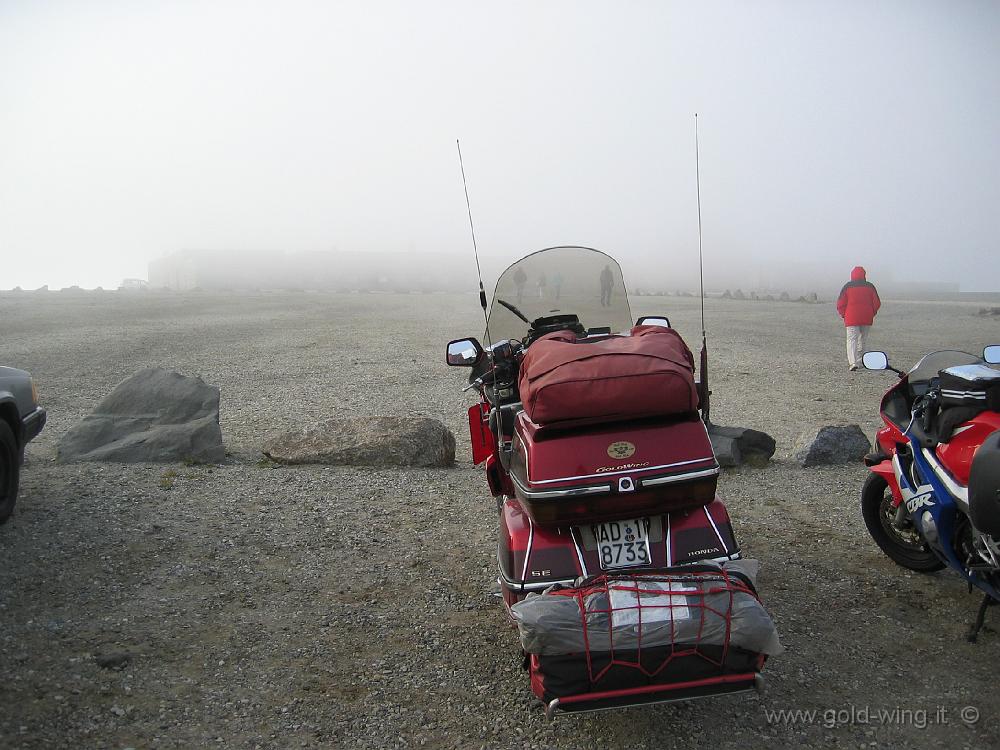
(607, 279)
(857, 304)
(519, 278)
(541, 286)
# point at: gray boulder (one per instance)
(833, 444)
(734, 446)
(366, 441)
(154, 416)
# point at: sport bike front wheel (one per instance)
(904, 546)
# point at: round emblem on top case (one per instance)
(621, 449)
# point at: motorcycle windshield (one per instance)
(560, 281)
(930, 364)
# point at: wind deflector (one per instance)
(560, 281)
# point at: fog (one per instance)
(831, 133)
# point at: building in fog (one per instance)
(336, 271)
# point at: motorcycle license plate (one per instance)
(622, 544)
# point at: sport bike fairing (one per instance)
(933, 508)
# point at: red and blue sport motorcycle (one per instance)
(933, 496)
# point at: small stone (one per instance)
(113, 659)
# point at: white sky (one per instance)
(832, 133)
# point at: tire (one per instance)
(907, 547)
(10, 470)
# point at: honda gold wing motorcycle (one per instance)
(932, 499)
(617, 560)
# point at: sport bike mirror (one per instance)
(654, 320)
(992, 354)
(463, 353)
(875, 361)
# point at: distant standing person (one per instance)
(857, 305)
(541, 286)
(557, 283)
(520, 277)
(607, 280)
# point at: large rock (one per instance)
(734, 446)
(156, 416)
(833, 444)
(366, 441)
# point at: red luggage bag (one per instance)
(568, 380)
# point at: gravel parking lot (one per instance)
(251, 605)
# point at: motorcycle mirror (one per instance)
(992, 354)
(875, 361)
(463, 353)
(654, 320)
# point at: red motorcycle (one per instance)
(616, 556)
(932, 498)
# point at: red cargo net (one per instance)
(621, 611)
(647, 637)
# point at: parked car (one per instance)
(21, 419)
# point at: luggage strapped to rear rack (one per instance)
(655, 636)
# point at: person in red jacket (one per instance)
(857, 304)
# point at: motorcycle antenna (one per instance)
(497, 436)
(705, 392)
(475, 249)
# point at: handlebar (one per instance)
(502, 360)
(477, 383)
(487, 378)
